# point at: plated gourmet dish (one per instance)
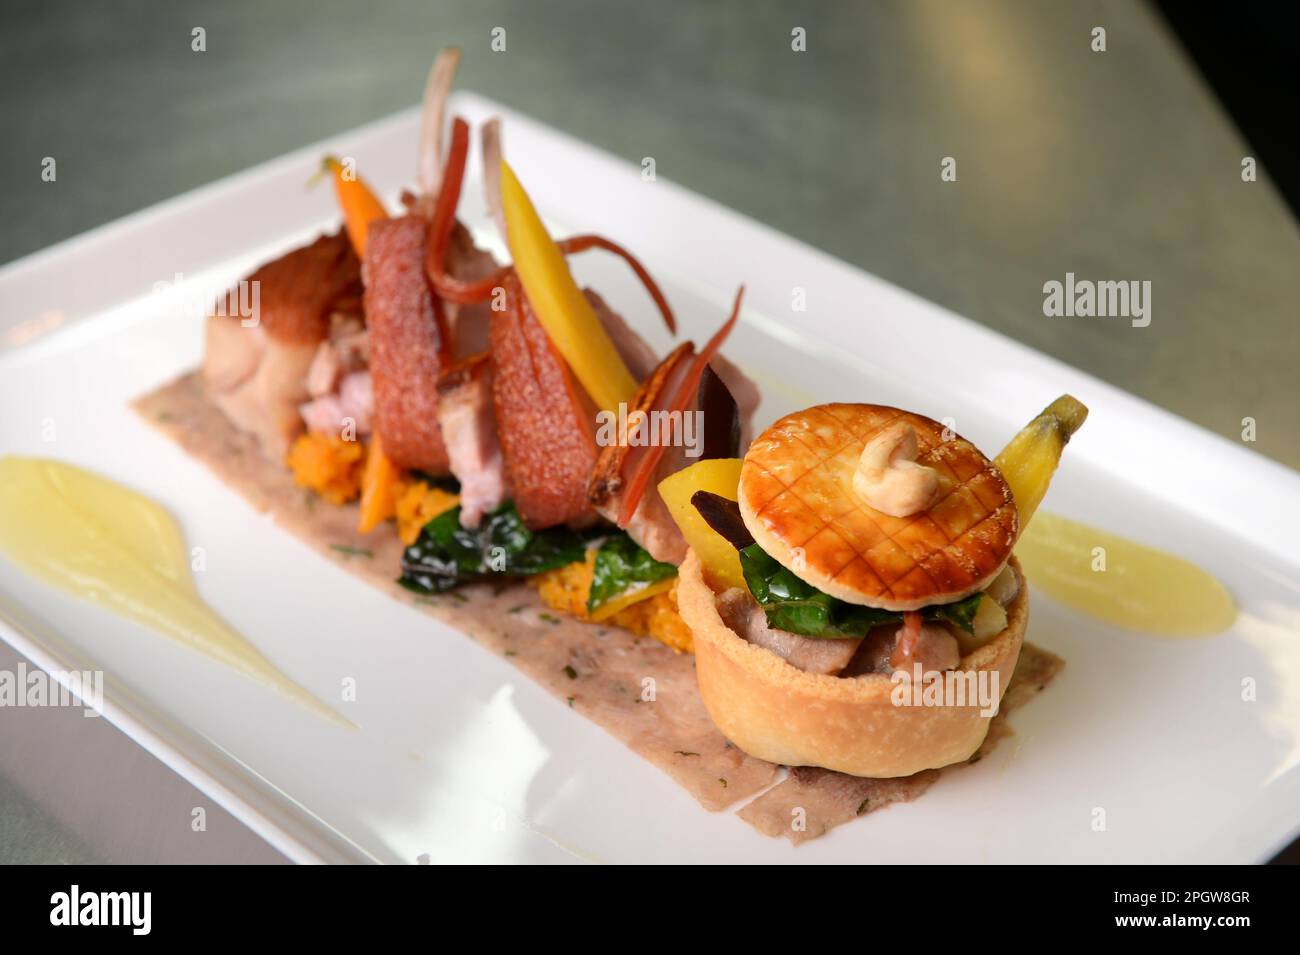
(503, 448)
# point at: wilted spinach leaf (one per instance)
(621, 566)
(794, 605)
(961, 613)
(446, 555)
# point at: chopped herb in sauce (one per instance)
(350, 551)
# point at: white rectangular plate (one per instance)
(460, 757)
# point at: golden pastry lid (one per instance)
(797, 499)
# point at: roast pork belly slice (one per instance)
(231, 353)
(255, 366)
(406, 344)
(545, 421)
(741, 612)
(352, 404)
(339, 382)
(325, 370)
(469, 427)
(347, 349)
(265, 404)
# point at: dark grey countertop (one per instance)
(1114, 166)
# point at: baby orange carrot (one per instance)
(360, 206)
(378, 482)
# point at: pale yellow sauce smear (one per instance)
(97, 540)
(1141, 588)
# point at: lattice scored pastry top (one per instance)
(797, 498)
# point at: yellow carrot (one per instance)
(623, 601)
(718, 557)
(1029, 460)
(378, 482)
(360, 206)
(559, 304)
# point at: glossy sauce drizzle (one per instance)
(1140, 588)
(101, 542)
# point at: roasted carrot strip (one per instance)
(581, 243)
(467, 293)
(359, 204)
(909, 635)
(378, 489)
(444, 218)
(912, 619)
(638, 482)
